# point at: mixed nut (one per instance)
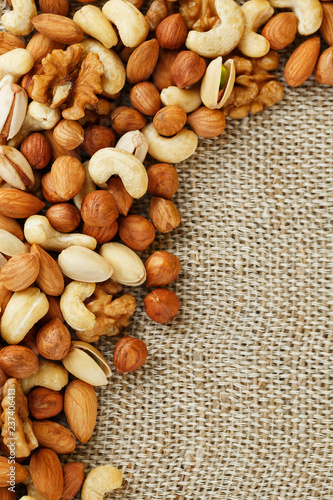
(71, 165)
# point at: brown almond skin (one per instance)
(302, 62)
(73, 479)
(37, 150)
(18, 204)
(67, 176)
(20, 272)
(30, 340)
(10, 42)
(326, 28)
(162, 268)
(18, 361)
(162, 76)
(50, 278)
(53, 312)
(161, 305)
(21, 472)
(45, 403)
(171, 33)
(54, 436)
(136, 232)
(40, 46)
(324, 68)
(46, 473)
(122, 198)
(281, 30)
(54, 340)
(164, 215)
(169, 120)
(145, 98)
(58, 28)
(5, 296)
(124, 119)
(99, 208)
(142, 61)
(12, 226)
(59, 7)
(207, 122)
(64, 217)
(187, 69)
(80, 405)
(101, 234)
(5, 494)
(97, 137)
(129, 354)
(162, 180)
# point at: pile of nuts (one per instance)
(71, 166)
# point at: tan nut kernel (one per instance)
(207, 122)
(161, 305)
(67, 176)
(145, 98)
(53, 340)
(171, 33)
(40, 46)
(59, 7)
(101, 480)
(10, 42)
(20, 272)
(18, 361)
(169, 120)
(49, 192)
(99, 208)
(128, 267)
(12, 226)
(54, 436)
(162, 76)
(164, 215)
(64, 217)
(142, 61)
(281, 30)
(69, 134)
(86, 363)
(50, 279)
(162, 268)
(125, 119)
(302, 62)
(73, 479)
(46, 474)
(58, 28)
(50, 375)
(80, 263)
(136, 232)
(18, 204)
(162, 180)
(37, 150)
(129, 354)
(80, 406)
(187, 69)
(97, 137)
(45, 403)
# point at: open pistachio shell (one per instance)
(210, 86)
(86, 363)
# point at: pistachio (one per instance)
(86, 363)
(127, 265)
(217, 83)
(13, 105)
(15, 169)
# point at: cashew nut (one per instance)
(223, 38)
(210, 85)
(131, 23)
(18, 20)
(13, 65)
(82, 264)
(10, 244)
(39, 117)
(187, 99)
(134, 142)
(37, 229)
(72, 305)
(49, 375)
(23, 311)
(93, 22)
(308, 12)
(88, 187)
(101, 480)
(170, 149)
(256, 13)
(111, 161)
(114, 76)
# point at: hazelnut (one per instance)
(129, 354)
(162, 180)
(124, 119)
(102, 234)
(122, 198)
(37, 150)
(49, 192)
(18, 361)
(171, 33)
(64, 217)
(53, 340)
(145, 98)
(30, 340)
(57, 150)
(164, 215)
(45, 403)
(162, 268)
(161, 305)
(187, 69)
(99, 208)
(67, 176)
(207, 122)
(136, 232)
(97, 137)
(162, 76)
(169, 120)
(69, 134)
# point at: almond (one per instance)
(187, 69)
(281, 30)
(20, 272)
(142, 61)
(67, 176)
(80, 406)
(5, 296)
(41, 45)
(54, 310)
(302, 62)
(10, 42)
(99, 208)
(5, 494)
(6, 468)
(50, 278)
(59, 28)
(18, 204)
(18, 361)
(162, 76)
(326, 28)
(171, 33)
(59, 7)
(73, 479)
(64, 217)
(324, 68)
(46, 473)
(12, 226)
(169, 120)
(45, 403)
(122, 198)
(54, 436)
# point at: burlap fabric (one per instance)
(235, 401)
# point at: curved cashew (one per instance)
(308, 12)
(256, 13)
(134, 142)
(10, 244)
(132, 26)
(210, 85)
(18, 20)
(222, 39)
(93, 22)
(111, 161)
(13, 65)
(23, 311)
(82, 264)
(88, 187)
(101, 480)
(187, 99)
(37, 229)
(39, 117)
(170, 149)
(72, 305)
(114, 76)
(49, 375)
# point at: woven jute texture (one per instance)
(235, 401)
